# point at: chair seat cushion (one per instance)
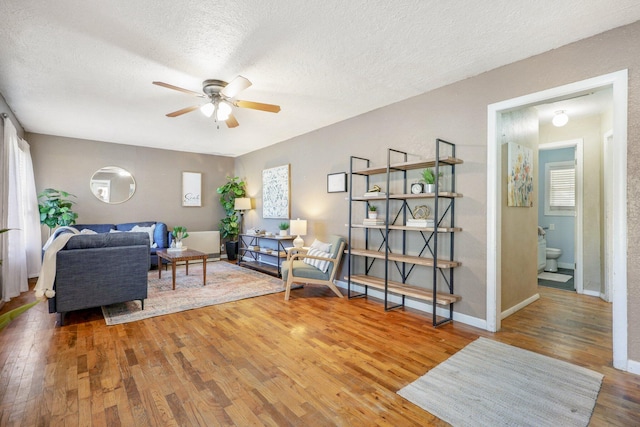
(303, 270)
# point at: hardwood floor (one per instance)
(315, 360)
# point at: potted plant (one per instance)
(178, 234)
(429, 179)
(55, 208)
(229, 225)
(284, 226)
(373, 212)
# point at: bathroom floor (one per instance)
(567, 286)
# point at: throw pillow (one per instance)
(320, 264)
(149, 230)
(321, 246)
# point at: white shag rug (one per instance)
(489, 383)
(555, 277)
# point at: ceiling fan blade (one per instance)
(179, 89)
(236, 86)
(232, 122)
(183, 111)
(258, 106)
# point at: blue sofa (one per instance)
(93, 270)
(161, 235)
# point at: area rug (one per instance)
(556, 277)
(488, 383)
(225, 282)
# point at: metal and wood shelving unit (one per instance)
(401, 258)
(272, 248)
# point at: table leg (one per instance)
(204, 271)
(187, 267)
(159, 268)
(173, 274)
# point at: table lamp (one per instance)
(298, 228)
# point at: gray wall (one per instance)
(458, 113)
(68, 164)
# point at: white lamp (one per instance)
(299, 228)
(223, 111)
(207, 109)
(560, 119)
(242, 204)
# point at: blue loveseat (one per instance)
(161, 235)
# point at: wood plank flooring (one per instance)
(315, 360)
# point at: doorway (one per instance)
(615, 224)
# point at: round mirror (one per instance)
(112, 184)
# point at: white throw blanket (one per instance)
(44, 286)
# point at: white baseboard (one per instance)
(508, 312)
(591, 293)
(633, 367)
(567, 265)
(419, 305)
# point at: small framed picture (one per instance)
(191, 189)
(337, 182)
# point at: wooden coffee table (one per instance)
(175, 256)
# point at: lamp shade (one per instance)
(298, 227)
(560, 119)
(242, 204)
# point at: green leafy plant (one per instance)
(284, 226)
(428, 177)
(229, 225)
(55, 208)
(179, 233)
(373, 208)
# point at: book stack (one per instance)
(375, 194)
(369, 221)
(413, 222)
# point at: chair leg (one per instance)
(335, 289)
(288, 288)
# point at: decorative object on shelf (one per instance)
(520, 179)
(276, 189)
(421, 212)
(234, 188)
(337, 182)
(112, 185)
(416, 188)
(298, 228)
(375, 191)
(373, 212)
(178, 234)
(191, 189)
(55, 208)
(284, 227)
(429, 179)
(371, 221)
(254, 232)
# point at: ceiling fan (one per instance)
(219, 95)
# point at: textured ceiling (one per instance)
(84, 68)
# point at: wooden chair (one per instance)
(295, 270)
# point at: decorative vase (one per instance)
(178, 244)
(232, 250)
(373, 215)
(283, 232)
(429, 188)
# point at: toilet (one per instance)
(552, 259)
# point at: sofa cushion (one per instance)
(149, 230)
(98, 228)
(105, 240)
(160, 236)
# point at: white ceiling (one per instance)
(84, 69)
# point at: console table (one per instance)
(263, 253)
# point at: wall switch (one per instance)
(552, 226)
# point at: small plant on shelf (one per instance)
(284, 226)
(373, 212)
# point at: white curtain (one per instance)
(21, 248)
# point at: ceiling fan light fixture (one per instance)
(223, 111)
(207, 109)
(560, 119)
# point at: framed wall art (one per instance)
(276, 189)
(191, 189)
(337, 182)
(520, 179)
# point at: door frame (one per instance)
(578, 242)
(617, 223)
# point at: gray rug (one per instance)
(225, 282)
(488, 383)
(556, 277)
